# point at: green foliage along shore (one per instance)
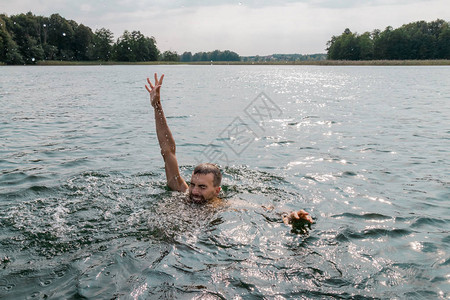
(413, 41)
(28, 39)
(31, 39)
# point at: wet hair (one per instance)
(208, 168)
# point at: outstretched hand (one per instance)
(298, 220)
(298, 216)
(154, 90)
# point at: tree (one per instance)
(134, 47)
(60, 34)
(145, 47)
(197, 56)
(101, 47)
(170, 56)
(186, 57)
(215, 55)
(24, 30)
(9, 50)
(443, 42)
(50, 52)
(396, 45)
(123, 48)
(365, 45)
(417, 40)
(344, 47)
(228, 55)
(82, 42)
(333, 46)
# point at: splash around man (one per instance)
(204, 186)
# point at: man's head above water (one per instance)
(205, 183)
(208, 168)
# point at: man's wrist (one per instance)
(156, 104)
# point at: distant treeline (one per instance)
(418, 40)
(27, 39)
(215, 55)
(285, 57)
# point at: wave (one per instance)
(348, 234)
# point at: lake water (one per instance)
(85, 212)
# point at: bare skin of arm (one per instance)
(293, 218)
(165, 138)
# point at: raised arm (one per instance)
(165, 138)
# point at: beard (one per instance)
(197, 199)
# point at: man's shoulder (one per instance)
(217, 202)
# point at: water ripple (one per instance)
(85, 211)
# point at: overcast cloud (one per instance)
(246, 27)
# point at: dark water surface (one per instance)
(84, 211)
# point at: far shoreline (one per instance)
(440, 62)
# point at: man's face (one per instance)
(202, 189)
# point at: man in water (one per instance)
(204, 186)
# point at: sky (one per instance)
(246, 27)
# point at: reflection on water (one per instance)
(85, 212)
